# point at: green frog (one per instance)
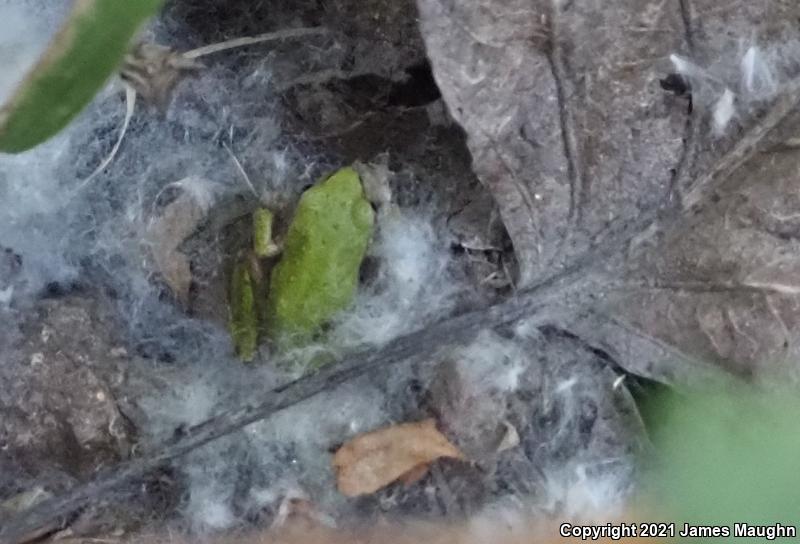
(317, 273)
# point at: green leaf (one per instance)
(729, 458)
(318, 273)
(84, 53)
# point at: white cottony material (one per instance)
(738, 83)
(491, 362)
(209, 506)
(6, 295)
(758, 79)
(578, 494)
(412, 286)
(687, 68)
(724, 111)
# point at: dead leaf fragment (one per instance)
(378, 458)
(175, 223)
(572, 166)
(510, 438)
(414, 475)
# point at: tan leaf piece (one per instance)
(175, 223)
(378, 458)
(414, 475)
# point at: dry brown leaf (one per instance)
(414, 475)
(176, 222)
(571, 131)
(378, 458)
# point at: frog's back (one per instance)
(327, 240)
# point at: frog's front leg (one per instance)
(249, 285)
(264, 244)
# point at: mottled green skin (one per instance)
(243, 313)
(82, 56)
(317, 275)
